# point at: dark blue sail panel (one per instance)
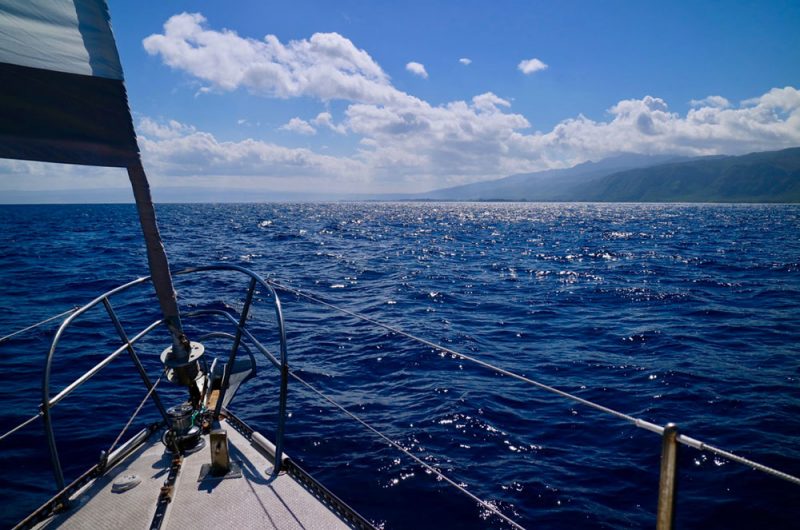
(65, 118)
(62, 97)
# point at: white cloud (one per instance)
(196, 153)
(419, 146)
(298, 126)
(489, 102)
(769, 122)
(168, 129)
(325, 119)
(711, 101)
(465, 61)
(405, 143)
(530, 66)
(326, 66)
(417, 69)
(16, 175)
(454, 141)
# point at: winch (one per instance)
(183, 434)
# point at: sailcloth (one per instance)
(63, 99)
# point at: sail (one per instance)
(63, 99)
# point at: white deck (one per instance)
(253, 501)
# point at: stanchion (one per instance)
(666, 481)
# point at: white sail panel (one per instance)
(70, 36)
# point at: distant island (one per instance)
(764, 177)
(771, 176)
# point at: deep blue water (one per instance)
(684, 313)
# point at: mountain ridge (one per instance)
(766, 176)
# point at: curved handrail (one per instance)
(48, 403)
(669, 432)
(284, 368)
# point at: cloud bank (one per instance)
(406, 143)
(189, 152)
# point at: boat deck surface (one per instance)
(256, 500)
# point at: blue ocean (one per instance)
(670, 313)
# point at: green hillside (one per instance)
(772, 176)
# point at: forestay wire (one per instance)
(638, 422)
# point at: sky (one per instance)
(380, 96)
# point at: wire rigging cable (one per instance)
(408, 453)
(32, 326)
(21, 425)
(135, 413)
(638, 422)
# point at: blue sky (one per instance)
(372, 96)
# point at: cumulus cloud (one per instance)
(298, 126)
(771, 121)
(465, 61)
(417, 69)
(164, 130)
(711, 101)
(325, 119)
(44, 176)
(406, 143)
(489, 102)
(196, 153)
(530, 66)
(326, 66)
(458, 139)
(423, 146)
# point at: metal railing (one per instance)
(670, 437)
(127, 345)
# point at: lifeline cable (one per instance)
(21, 425)
(640, 423)
(45, 321)
(636, 421)
(408, 453)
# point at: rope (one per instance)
(45, 321)
(21, 425)
(640, 423)
(418, 460)
(149, 393)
